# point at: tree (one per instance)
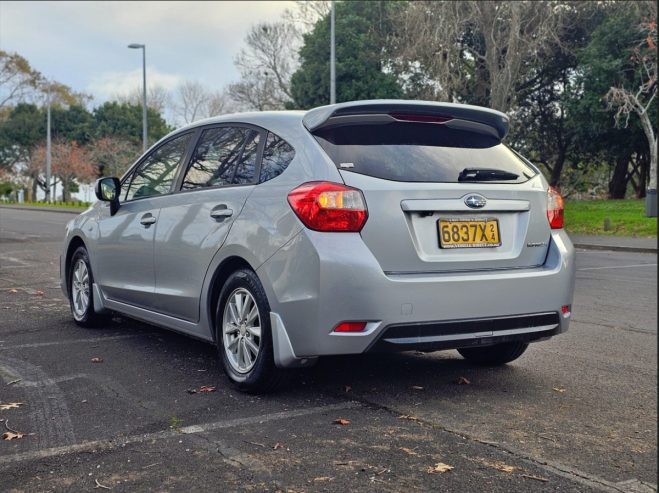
(546, 129)
(18, 79)
(194, 102)
(266, 66)
(113, 155)
(125, 120)
(608, 61)
(71, 164)
(361, 58)
(157, 97)
(473, 51)
(638, 96)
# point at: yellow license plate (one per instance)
(468, 233)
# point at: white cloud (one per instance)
(108, 84)
(84, 44)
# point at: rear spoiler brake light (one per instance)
(458, 116)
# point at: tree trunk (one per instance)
(618, 183)
(652, 142)
(66, 193)
(33, 192)
(555, 177)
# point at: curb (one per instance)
(614, 248)
(44, 209)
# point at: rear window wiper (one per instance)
(485, 174)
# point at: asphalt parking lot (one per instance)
(112, 407)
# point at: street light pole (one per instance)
(48, 149)
(144, 124)
(332, 57)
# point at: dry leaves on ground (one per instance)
(12, 290)
(416, 387)
(97, 360)
(439, 468)
(206, 388)
(10, 405)
(408, 417)
(408, 451)
(10, 435)
(500, 466)
(462, 381)
(558, 389)
(39, 292)
(342, 421)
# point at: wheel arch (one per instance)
(228, 266)
(75, 243)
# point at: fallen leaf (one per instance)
(462, 381)
(342, 421)
(10, 435)
(191, 391)
(12, 290)
(99, 485)
(38, 292)
(558, 389)
(408, 451)
(440, 467)
(97, 360)
(11, 405)
(277, 446)
(504, 467)
(206, 388)
(347, 388)
(537, 478)
(416, 387)
(323, 478)
(409, 418)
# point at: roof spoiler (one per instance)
(459, 116)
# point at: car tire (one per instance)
(496, 355)
(244, 335)
(81, 298)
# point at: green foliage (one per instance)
(125, 120)
(6, 188)
(609, 217)
(72, 123)
(361, 29)
(20, 133)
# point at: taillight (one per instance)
(326, 206)
(554, 208)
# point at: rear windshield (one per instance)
(420, 152)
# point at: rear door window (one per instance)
(277, 155)
(224, 156)
(419, 152)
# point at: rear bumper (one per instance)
(319, 280)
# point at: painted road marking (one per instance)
(98, 445)
(71, 341)
(618, 266)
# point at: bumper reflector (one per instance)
(565, 309)
(350, 327)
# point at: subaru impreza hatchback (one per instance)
(366, 226)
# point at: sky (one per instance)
(84, 44)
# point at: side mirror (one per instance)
(107, 190)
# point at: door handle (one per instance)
(221, 212)
(147, 220)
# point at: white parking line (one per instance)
(70, 341)
(98, 445)
(618, 266)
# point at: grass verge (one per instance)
(609, 218)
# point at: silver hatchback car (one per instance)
(363, 226)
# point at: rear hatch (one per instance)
(443, 193)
